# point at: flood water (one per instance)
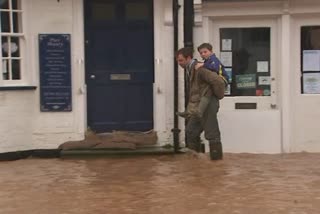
(177, 184)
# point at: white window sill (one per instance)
(17, 88)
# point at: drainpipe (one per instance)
(175, 130)
(188, 23)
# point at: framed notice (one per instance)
(311, 83)
(226, 58)
(262, 66)
(311, 60)
(226, 45)
(246, 81)
(55, 72)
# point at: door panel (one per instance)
(119, 64)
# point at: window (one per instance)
(310, 60)
(137, 11)
(11, 40)
(245, 53)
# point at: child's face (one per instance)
(205, 53)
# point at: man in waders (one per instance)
(202, 82)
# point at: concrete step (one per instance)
(154, 150)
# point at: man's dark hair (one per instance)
(185, 52)
(205, 45)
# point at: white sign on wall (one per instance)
(264, 80)
(262, 66)
(311, 83)
(226, 44)
(311, 60)
(226, 58)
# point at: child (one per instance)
(211, 62)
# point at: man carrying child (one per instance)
(202, 83)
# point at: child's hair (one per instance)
(205, 45)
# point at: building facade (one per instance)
(109, 65)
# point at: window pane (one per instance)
(310, 59)
(310, 38)
(250, 60)
(15, 47)
(4, 4)
(5, 22)
(4, 46)
(5, 69)
(16, 21)
(103, 11)
(15, 4)
(137, 11)
(16, 74)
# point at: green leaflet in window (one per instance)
(246, 81)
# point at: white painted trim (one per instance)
(245, 8)
(286, 78)
(78, 62)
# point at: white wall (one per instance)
(304, 107)
(293, 126)
(23, 126)
(257, 130)
(16, 120)
(52, 129)
(163, 86)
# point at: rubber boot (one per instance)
(216, 151)
(202, 148)
(194, 146)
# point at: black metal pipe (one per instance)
(188, 23)
(175, 130)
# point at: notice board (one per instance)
(55, 72)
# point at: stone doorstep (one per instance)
(58, 153)
(118, 152)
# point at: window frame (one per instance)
(20, 35)
(310, 47)
(257, 74)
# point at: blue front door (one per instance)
(119, 64)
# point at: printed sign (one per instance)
(262, 66)
(311, 60)
(246, 81)
(55, 72)
(229, 72)
(227, 90)
(264, 80)
(226, 58)
(226, 44)
(311, 83)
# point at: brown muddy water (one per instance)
(177, 184)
